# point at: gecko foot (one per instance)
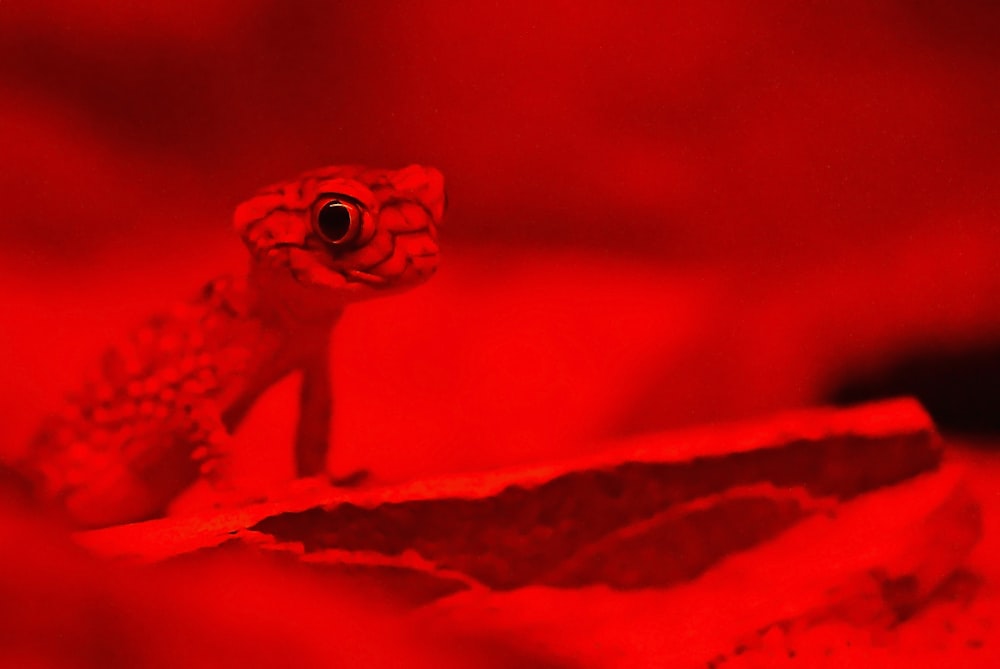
(321, 483)
(351, 480)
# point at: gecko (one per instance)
(159, 412)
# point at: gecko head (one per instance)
(346, 233)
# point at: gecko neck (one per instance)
(278, 298)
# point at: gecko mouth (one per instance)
(366, 277)
(424, 261)
(418, 267)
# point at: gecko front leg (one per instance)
(312, 435)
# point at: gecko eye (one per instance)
(338, 221)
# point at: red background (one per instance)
(659, 215)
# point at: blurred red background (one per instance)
(659, 214)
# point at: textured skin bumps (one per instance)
(158, 414)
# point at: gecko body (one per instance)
(162, 406)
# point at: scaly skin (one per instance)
(160, 414)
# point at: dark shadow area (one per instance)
(960, 388)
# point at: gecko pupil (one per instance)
(334, 221)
